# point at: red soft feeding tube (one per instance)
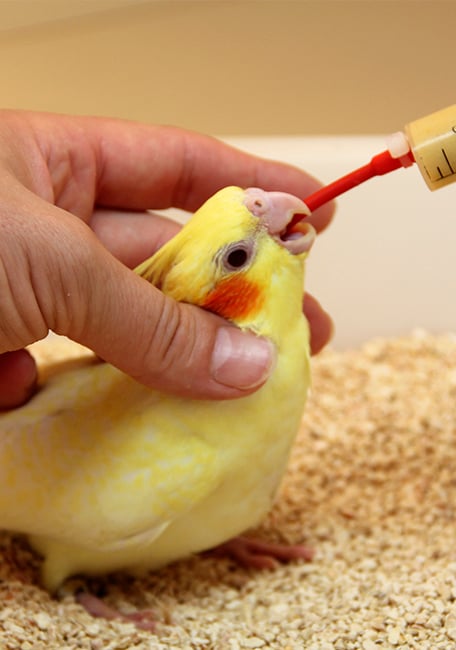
(382, 163)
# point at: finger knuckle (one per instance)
(172, 341)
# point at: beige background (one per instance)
(277, 77)
(232, 67)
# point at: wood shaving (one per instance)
(371, 486)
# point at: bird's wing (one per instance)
(112, 464)
(150, 486)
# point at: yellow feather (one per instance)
(103, 473)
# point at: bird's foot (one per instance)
(259, 554)
(142, 619)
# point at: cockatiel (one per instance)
(105, 474)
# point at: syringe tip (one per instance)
(397, 144)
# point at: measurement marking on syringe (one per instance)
(442, 175)
(447, 160)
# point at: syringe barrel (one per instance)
(432, 140)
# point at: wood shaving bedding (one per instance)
(371, 486)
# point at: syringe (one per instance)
(430, 142)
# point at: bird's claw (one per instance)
(142, 619)
(259, 554)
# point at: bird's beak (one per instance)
(276, 210)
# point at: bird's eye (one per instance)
(237, 256)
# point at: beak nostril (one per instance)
(257, 202)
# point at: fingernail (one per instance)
(241, 360)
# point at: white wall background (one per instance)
(275, 68)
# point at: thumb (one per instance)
(176, 347)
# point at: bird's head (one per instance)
(238, 258)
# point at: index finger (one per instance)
(146, 166)
(105, 162)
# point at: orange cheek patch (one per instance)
(235, 298)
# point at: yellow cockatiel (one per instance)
(104, 474)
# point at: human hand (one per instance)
(72, 219)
